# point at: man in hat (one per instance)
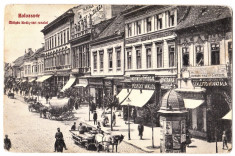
(73, 128)
(7, 143)
(59, 137)
(95, 118)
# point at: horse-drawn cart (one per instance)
(91, 139)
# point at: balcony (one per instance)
(80, 33)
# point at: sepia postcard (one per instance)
(89, 78)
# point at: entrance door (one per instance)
(219, 108)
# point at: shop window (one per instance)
(171, 18)
(129, 31)
(159, 56)
(138, 27)
(138, 59)
(129, 60)
(101, 60)
(230, 52)
(148, 56)
(215, 54)
(95, 60)
(118, 54)
(199, 55)
(185, 52)
(159, 22)
(110, 53)
(171, 56)
(149, 24)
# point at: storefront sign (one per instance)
(143, 86)
(167, 82)
(218, 71)
(209, 82)
(83, 81)
(95, 82)
(143, 78)
(107, 83)
(192, 95)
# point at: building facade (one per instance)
(57, 53)
(204, 68)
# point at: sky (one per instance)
(18, 37)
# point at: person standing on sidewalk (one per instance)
(141, 130)
(114, 119)
(134, 114)
(225, 139)
(95, 118)
(73, 128)
(7, 143)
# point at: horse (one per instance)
(105, 140)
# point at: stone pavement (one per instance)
(197, 145)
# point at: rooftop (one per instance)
(198, 15)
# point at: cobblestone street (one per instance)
(30, 133)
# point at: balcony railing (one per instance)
(80, 33)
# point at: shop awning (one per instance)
(228, 116)
(191, 103)
(43, 78)
(123, 95)
(80, 85)
(68, 84)
(138, 98)
(32, 80)
(23, 80)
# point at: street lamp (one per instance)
(129, 134)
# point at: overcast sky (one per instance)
(18, 37)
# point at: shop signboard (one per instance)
(216, 71)
(210, 82)
(146, 82)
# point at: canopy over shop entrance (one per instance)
(138, 98)
(228, 116)
(43, 78)
(33, 79)
(192, 103)
(123, 95)
(68, 84)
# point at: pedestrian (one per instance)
(141, 130)
(73, 128)
(95, 118)
(225, 139)
(59, 138)
(7, 143)
(134, 114)
(47, 97)
(98, 125)
(188, 138)
(114, 119)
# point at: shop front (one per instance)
(139, 93)
(207, 95)
(96, 89)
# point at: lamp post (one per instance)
(129, 133)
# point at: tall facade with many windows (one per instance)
(204, 68)
(57, 53)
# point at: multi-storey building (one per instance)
(27, 66)
(107, 60)
(204, 68)
(57, 51)
(150, 52)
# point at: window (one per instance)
(67, 35)
(95, 60)
(129, 30)
(185, 53)
(138, 27)
(61, 38)
(215, 54)
(159, 21)
(52, 41)
(64, 37)
(159, 56)
(148, 56)
(118, 55)
(101, 60)
(129, 59)
(149, 24)
(171, 21)
(55, 41)
(171, 56)
(199, 56)
(230, 52)
(110, 52)
(138, 59)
